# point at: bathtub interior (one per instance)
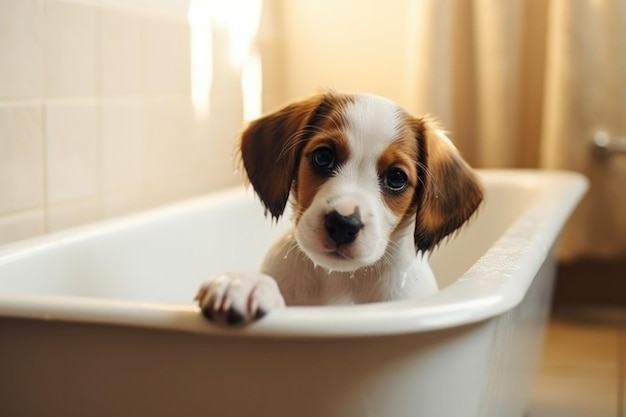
(163, 255)
(506, 199)
(160, 255)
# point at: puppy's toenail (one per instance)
(260, 313)
(208, 313)
(234, 317)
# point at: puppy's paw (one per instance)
(237, 298)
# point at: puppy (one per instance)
(372, 188)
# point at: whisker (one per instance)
(297, 138)
(430, 177)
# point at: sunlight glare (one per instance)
(199, 18)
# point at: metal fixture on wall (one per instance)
(605, 146)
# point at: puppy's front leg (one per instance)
(236, 298)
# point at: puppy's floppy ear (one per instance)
(449, 191)
(272, 145)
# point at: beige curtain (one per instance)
(525, 83)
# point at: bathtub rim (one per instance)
(480, 293)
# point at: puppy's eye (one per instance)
(395, 180)
(323, 159)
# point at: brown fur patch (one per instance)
(309, 181)
(451, 192)
(401, 153)
(272, 146)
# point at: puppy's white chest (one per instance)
(303, 283)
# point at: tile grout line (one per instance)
(98, 13)
(44, 119)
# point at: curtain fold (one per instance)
(524, 84)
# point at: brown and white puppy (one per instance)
(370, 187)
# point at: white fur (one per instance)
(371, 124)
(304, 283)
(380, 264)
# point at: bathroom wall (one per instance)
(97, 116)
(347, 45)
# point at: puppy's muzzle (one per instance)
(343, 229)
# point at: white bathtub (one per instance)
(99, 321)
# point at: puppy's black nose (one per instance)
(342, 229)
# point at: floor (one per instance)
(583, 371)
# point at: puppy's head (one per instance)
(362, 173)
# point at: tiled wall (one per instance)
(96, 117)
